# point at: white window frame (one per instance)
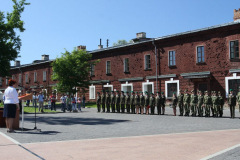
(226, 82)
(126, 85)
(0, 81)
(26, 78)
(125, 65)
(147, 83)
(166, 88)
(107, 85)
(146, 61)
(44, 76)
(107, 67)
(197, 54)
(94, 92)
(35, 76)
(169, 58)
(230, 47)
(20, 78)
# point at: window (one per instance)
(234, 50)
(20, 79)
(12, 77)
(170, 87)
(108, 67)
(126, 65)
(6, 80)
(44, 76)
(234, 84)
(91, 92)
(26, 78)
(147, 62)
(200, 54)
(35, 76)
(172, 61)
(92, 70)
(0, 81)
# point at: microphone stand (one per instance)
(35, 103)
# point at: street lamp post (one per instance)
(156, 65)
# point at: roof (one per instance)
(32, 64)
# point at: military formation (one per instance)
(189, 104)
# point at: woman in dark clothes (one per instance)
(20, 103)
(11, 104)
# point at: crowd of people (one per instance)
(197, 104)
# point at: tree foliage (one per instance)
(72, 71)
(120, 42)
(10, 42)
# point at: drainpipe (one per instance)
(156, 65)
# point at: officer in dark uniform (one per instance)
(146, 102)
(108, 101)
(186, 102)
(113, 102)
(232, 103)
(158, 103)
(137, 102)
(180, 102)
(103, 97)
(132, 102)
(141, 97)
(163, 102)
(127, 102)
(117, 101)
(152, 103)
(122, 101)
(98, 102)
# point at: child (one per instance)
(79, 104)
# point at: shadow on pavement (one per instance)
(74, 121)
(31, 131)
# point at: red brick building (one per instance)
(203, 59)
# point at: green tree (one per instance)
(72, 71)
(10, 42)
(120, 42)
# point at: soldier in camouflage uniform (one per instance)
(122, 101)
(215, 104)
(180, 102)
(117, 101)
(232, 103)
(107, 101)
(152, 103)
(186, 101)
(146, 102)
(112, 101)
(103, 97)
(193, 103)
(207, 103)
(211, 105)
(174, 103)
(200, 104)
(163, 102)
(238, 98)
(137, 102)
(220, 104)
(141, 97)
(127, 102)
(158, 103)
(98, 102)
(132, 102)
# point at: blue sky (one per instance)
(55, 25)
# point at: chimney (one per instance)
(236, 14)
(81, 47)
(17, 63)
(100, 46)
(45, 57)
(141, 35)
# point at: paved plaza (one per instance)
(92, 135)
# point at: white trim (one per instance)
(90, 87)
(126, 85)
(147, 83)
(226, 82)
(107, 85)
(166, 89)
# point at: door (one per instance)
(202, 87)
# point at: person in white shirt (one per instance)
(63, 101)
(40, 101)
(34, 100)
(11, 104)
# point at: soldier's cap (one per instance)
(185, 90)
(151, 93)
(162, 92)
(126, 92)
(107, 91)
(102, 90)
(145, 92)
(122, 91)
(158, 92)
(206, 91)
(200, 91)
(137, 92)
(132, 91)
(174, 93)
(230, 90)
(140, 92)
(213, 91)
(112, 91)
(98, 93)
(219, 92)
(180, 90)
(192, 90)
